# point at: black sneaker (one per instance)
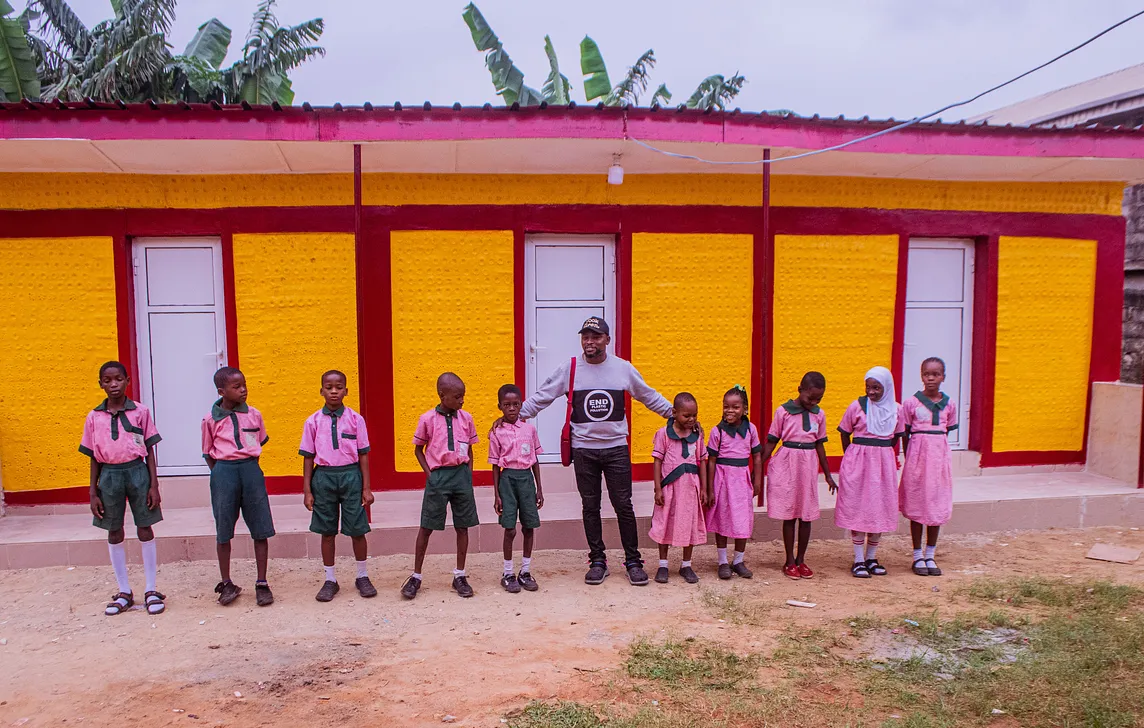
(688, 575)
(636, 575)
(661, 575)
(461, 586)
(327, 592)
(365, 587)
(724, 571)
(597, 572)
(527, 581)
(741, 570)
(410, 587)
(263, 597)
(227, 591)
(510, 584)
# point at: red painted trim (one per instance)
(1108, 301)
(980, 340)
(229, 300)
(375, 347)
(988, 330)
(363, 389)
(386, 124)
(124, 271)
(283, 484)
(762, 298)
(520, 356)
(1031, 457)
(898, 347)
(623, 322)
(56, 496)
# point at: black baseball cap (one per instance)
(597, 325)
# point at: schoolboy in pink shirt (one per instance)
(120, 437)
(233, 436)
(443, 447)
(513, 448)
(335, 477)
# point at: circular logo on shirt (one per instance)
(598, 405)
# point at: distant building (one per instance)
(1115, 99)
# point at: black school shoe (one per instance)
(597, 572)
(410, 587)
(365, 587)
(227, 591)
(461, 586)
(661, 575)
(327, 592)
(527, 581)
(263, 597)
(510, 584)
(636, 575)
(689, 575)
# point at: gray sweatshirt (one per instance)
(599, 412)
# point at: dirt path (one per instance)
(389, 662)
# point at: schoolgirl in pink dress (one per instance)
(925, 495)
(734, 480)
(792, 475)
(680, 479)
(867, 502)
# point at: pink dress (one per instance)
(792, 473)
(733, 513)
(926, 493)
(867, 479)
(679, 521)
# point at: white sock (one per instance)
(663, 563)
(859, 548)
(361, 570)
(871, 550)
(507, 567)
(119, 564)
(416, 576)
(458, 572)
(329, 573)
(150, 563)
(722, 555)
(526, 564)
(929, 552)
(739, 557)
(918, 555)
(685, 565)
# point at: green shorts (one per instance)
(518, 494)
(453, 487)
(120, 484)
(338, 489)
(238, 486)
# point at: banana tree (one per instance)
(195, 73)
(18, 76)
(270, 52)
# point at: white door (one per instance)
(179, 308)
(939, 321)
(567, 278)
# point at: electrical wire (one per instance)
(896, 127)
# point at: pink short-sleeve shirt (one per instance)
(920, 413)
(854, 422)
(235, 434)
(667, 447)
(733, 442)
(514, 446)
(446, 437)
(120, 437)
(334, 438)
(792, 423)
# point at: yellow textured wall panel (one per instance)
(691, 322)
(833, 313)
(1045, 289)
(452, 311)
(296, 299)
(103, 191)
(57, 325)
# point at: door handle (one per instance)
(534, 348)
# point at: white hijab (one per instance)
(882, 416)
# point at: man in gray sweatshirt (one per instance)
(600, 440)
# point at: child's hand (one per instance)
(153, 498)
(539, 499)
(96, 506)
(758, 489)
(708, 499)
(367, 498)
(831, 485)
(659, 496)
(308, 501)
(498, 506)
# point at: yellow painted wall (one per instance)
(296, 300)
(72, 191)
(691, 322)
(57, 325)
(833, 312)
(452, 311)
(1045, 289)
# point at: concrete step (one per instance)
(39, 537)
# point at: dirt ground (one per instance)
(440, 658)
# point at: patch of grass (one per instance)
(699, 664)
(565, 714)
(736, 608)
(1098, 596)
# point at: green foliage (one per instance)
(556, 88)
(18, 77)
(596, 82)
(508, 80)
(715, 91)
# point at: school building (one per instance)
(397, 243)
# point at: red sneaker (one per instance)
(805, 572)
(792, 571)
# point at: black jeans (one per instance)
(615, 464)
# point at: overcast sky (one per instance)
(884, 58)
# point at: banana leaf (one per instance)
(18, 78)
(210, 43)
(556, 88)
(596, 82)
(508, 80)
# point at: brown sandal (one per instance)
(120, 603)
(155, 602)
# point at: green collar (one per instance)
(864, 402)
(795, 408)
(689, 440)
(742, 430)
(218, 412)
(442, 411)
(333, 413)
(127, 405)
(935, 408)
